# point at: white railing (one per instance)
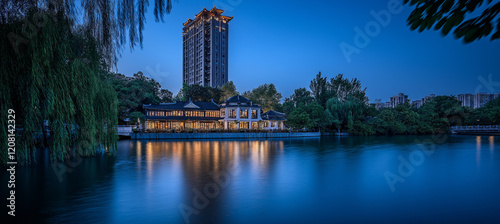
(121, 126)
(124, 129)
(476, 128)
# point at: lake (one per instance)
(391, 179)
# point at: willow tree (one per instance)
(110, 23)
(55, 71)
(57, 83)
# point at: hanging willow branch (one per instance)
(57, 78)
(55, 72)
(108, 22)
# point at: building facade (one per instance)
(476, 100)
(417, 103)
(480, 99)
(205, 49)
(239, 112)
(273, 120)
(427, 98)
(466, 100)
(398, 99)
(182, 115)
(235, 113)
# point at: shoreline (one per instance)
(156, 136)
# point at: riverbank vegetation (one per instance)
(56, 61)
(341, 105)
(337, 104)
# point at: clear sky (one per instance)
(288, 42)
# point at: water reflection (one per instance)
(478, 150)
(304, 180)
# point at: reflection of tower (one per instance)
(205, 49)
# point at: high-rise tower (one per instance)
(205, 49)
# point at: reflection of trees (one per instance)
(42, 197)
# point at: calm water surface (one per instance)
(399, 179)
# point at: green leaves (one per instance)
(266, 95)
(58, 80)
(445, 15)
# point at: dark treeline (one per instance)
(340, 105)
(337, 104)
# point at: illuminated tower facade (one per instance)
(205, 49)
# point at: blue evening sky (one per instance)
(288, 42)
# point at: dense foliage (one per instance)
(228, 90)
(135, 91)
(59, 87)
(346, 109)
(461, 16)
(199, 93)
(110, 23)
(266, 95)
(55, 62)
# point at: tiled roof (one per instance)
(273, 115)
(183, 105)
(238, 99)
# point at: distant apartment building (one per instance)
(417, 103)
(480, 99)
(398, 99)
(387, 105)
(476, 100)
(205, 49)
(467, 100)
(427, 98)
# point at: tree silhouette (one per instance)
(445, 15)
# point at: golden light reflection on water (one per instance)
(491, 140)
(149, 160)
(478, 150)
(198, 158)
(138, 154)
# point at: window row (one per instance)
(179, 113)
(243, 113)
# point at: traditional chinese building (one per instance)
(239, 112)
(273, 120)
(182, 115)
(235, 113)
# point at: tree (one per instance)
(288, 106)
(107, 22)
(228, 91)
(316, 115)
(265, 95)
(135, 91)
(166, 96)
(199, 93)
(299, 118)
(301, 95)
(449, 108)
(57, 78)
(55, 71)
(137, 116)
(343, 88)
(489, 114)
(319, 89)
(352, 109)
(462, 15)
